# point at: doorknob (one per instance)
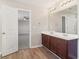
(3, 33)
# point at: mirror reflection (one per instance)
(64, 21)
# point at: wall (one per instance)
(39, 21)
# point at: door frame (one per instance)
(30, 14)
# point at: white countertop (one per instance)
(61, 35)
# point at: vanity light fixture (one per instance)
(69, 0)
(51, 11)
(65, 3)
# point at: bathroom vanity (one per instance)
(63, 45)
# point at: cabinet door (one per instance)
(61, 48)
(53, 44)
(9, 30)
(72, 49)
(45, 40)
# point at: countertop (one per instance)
(61, 35)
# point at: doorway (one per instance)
(24, 29)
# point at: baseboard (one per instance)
(36, 46)
(2, 56)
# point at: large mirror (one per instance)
(64, 21)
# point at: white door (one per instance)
(0, 31)
(9, 30)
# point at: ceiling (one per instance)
(41, 3)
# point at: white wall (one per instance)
(39, 20)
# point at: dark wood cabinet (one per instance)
(58, 46)
(65, 49)
(53, 44)
(45, 40)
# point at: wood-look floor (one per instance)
(34, 53)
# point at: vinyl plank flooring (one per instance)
(32, 53)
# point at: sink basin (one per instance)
(64, 34)
(51, 32)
